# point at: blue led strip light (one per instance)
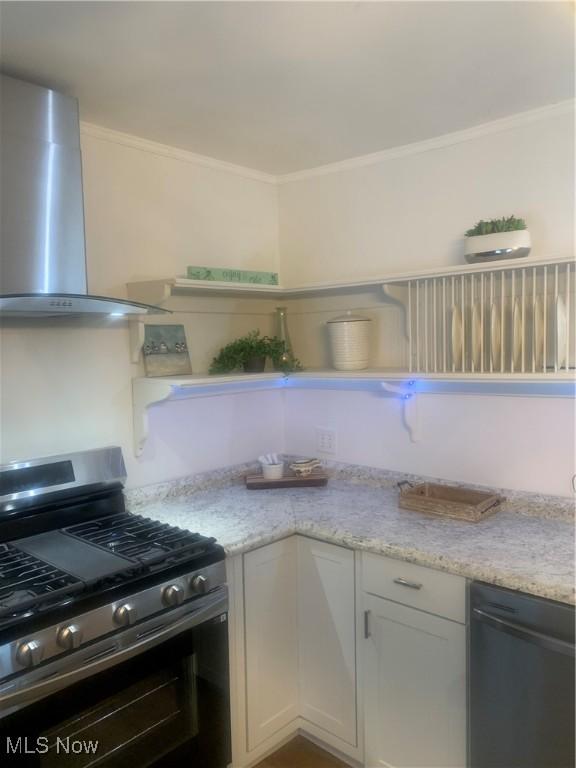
(225, 388)
(440, 386)
(404, 387)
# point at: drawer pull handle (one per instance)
(406, 583)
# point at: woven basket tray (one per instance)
(449, 501)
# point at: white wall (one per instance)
(66, 386)
(411, 211)
(523, 443)
(66, 383)
(195, 435)
(150, 215)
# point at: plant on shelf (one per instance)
(249, 353)
(510, 224)
(496, 239)
(281, 355)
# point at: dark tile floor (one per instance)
(301, 753)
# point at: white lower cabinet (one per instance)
(414, 688)
(300, 641)
(271, 645)
(297, 645)
(326, 637)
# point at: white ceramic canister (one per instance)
(350, 342)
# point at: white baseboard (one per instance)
(354, 762)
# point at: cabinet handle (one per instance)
(367, 624)
(406, 583)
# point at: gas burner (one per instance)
(140, 539)
(29, 584)
(10, 600)
(26, 581)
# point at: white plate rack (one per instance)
(512, 318)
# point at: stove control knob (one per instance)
(125, 615)
(199, 584)
(29, 654)
(69, 637)
(172, 595)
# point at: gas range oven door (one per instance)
(155, 695)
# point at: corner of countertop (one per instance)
(525, 503)
(186, 486)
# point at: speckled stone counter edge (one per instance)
(520, 502)
(184, 486)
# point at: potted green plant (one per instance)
(249, 353)
(496, 239)
(282, 356)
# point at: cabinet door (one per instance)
(271, 639)
(327, 651)
(415, 688)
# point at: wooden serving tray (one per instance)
(449, 501)
(290, 480)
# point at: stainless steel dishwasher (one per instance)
(521, 672)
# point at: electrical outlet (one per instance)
(325, 440)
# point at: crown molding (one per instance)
(174, 153)
(438, 142)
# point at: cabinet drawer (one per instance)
(439, 593)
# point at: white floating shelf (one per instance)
(467, 269)
(147, 392)
(159, 291)
(397, 375)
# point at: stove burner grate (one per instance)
(140, 539)
(25, 580)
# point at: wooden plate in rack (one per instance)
(517, 341)
(538, 333)
(457, 336)
(495, 341)
(476, 337)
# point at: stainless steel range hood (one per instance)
(42, 256)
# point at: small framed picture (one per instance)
(165, 351)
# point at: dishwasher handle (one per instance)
(530, 635)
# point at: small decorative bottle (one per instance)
(287, 359)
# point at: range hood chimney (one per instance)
(42, 251)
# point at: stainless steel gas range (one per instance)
(113, 627)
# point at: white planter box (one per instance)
(500, 245)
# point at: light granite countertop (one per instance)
(528, 545)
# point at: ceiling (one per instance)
(285, 86)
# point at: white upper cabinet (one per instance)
(327, 648)
(271, 639)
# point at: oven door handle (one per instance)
(212, 605)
